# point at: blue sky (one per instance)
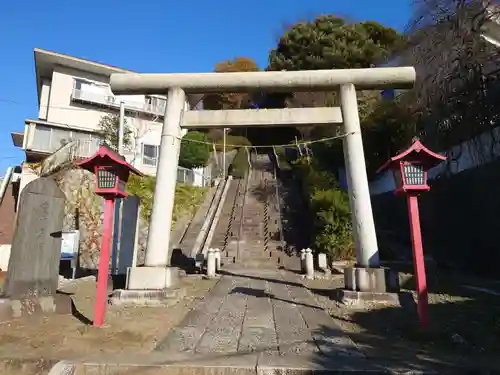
(149, 36)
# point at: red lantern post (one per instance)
(410, 173)
(112, 173)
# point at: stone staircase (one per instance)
(248, 232)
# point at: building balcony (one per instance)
(155, 108)
(44, 138)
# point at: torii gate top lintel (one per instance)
(304, 80)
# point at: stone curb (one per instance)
(63, 368)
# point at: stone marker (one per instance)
(33, 272)
(309, 264)
(322, 262)
(125, 255)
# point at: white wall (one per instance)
(145, 132)
(27, 175)
(44, 99)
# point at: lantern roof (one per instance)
(416, 152)
(106, 156)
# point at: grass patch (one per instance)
(187, 200)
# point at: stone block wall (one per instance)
(83, 211)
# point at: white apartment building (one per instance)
(73, 96)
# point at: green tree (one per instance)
(108, 130)
(328, 42)
(195, 150)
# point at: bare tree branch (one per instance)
(457, 70)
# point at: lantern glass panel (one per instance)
(414, 174)
(106, 179)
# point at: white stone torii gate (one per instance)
(157, 273)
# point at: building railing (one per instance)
(80, 149)
(83, 95)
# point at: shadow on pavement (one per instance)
(464, 325)
(262, 294)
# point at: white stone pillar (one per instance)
(303, 260)
(157, 248)
(211, 263)
(309, 264)
(359, 194)
(217, 259)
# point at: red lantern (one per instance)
(112, 172)
(410, 173)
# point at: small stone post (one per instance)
(217, 259)
(303, 260)
(309, 261)
(211, 263)
(322, 262)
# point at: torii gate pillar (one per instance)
(157, 275)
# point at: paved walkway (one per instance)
(258, 312)
(254, 322)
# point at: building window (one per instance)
(150, 155)
(79, 83)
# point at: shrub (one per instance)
(282, 159)
(329, 206)
(332, 224)
(195, 150)
(239, 166)
(187, 198)
(312, 176)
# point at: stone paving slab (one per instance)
(258, 311)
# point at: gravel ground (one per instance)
(129, 329)
(465, 324)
